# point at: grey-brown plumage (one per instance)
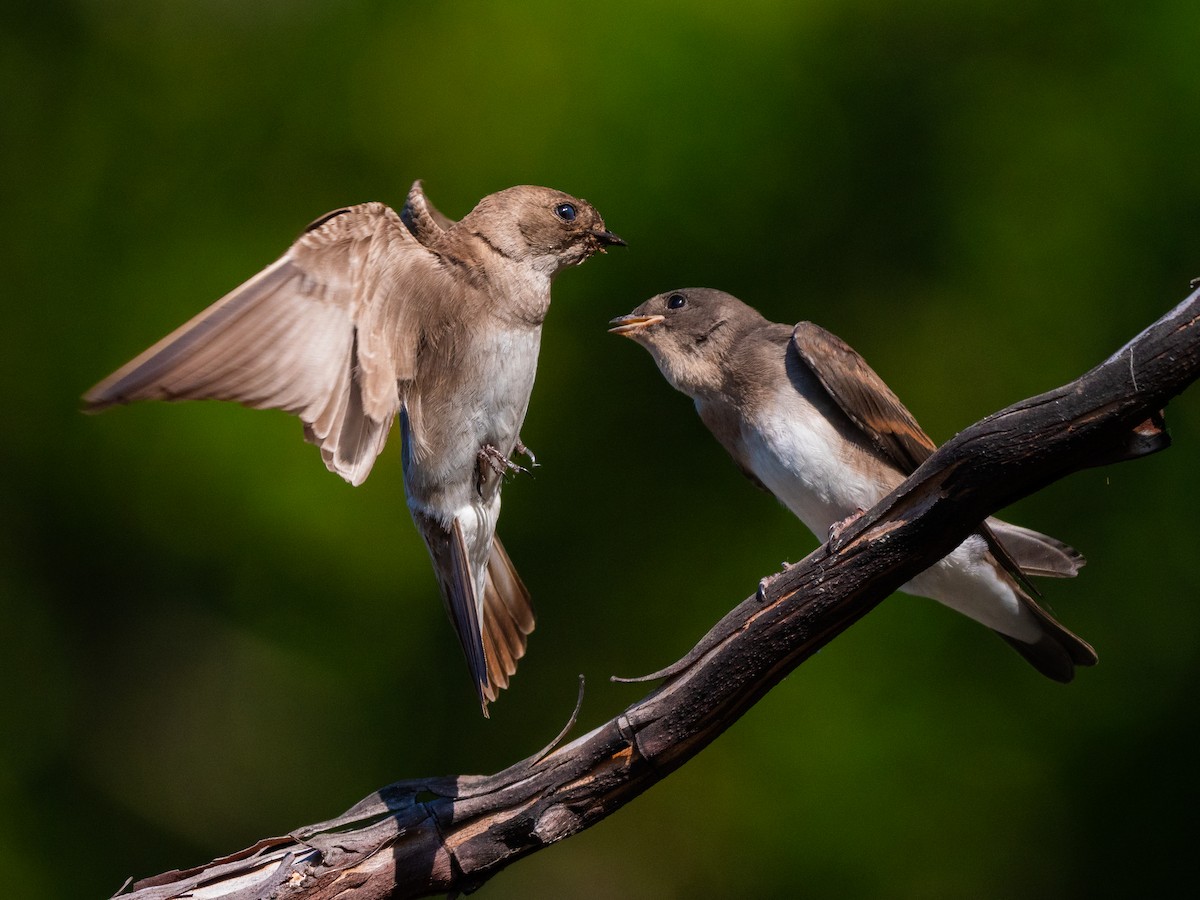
(371, 315)
(804, 416)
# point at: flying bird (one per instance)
(372, 315)
(805, 417)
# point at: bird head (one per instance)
(541, 226)
(688, 332)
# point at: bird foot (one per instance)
(765, 583)
(497, 461)
(838, 528)
(527, 453)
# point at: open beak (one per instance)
(607, 239)
(631, 324)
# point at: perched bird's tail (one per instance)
(1036, 553)
(1057, 651)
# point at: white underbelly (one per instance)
(804, 460)
(441, 471)
(822, 478)
(503, 398)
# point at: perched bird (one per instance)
(804, 416)
(370, 315)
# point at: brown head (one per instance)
(690, 332)
(540, 226)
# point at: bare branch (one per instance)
(439, 835)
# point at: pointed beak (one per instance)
(607, 239)
(631, 325)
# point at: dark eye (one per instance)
(565, 211)
(675, 301)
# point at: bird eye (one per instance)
(675, 301)
(565, 211)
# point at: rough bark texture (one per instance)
(440, 835)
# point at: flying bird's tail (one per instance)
(508, 619)
(493, 629)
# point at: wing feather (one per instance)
(863, 396)
(328, 333)
(424, 220)
(886, 422)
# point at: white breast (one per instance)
(488, 408)
(822, 477)
(806, 462)
(504, 398)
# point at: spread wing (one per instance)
(424, 220)
(863, 397)
(327, 333)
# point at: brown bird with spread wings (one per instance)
(371, 315)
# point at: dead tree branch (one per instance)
(440, 835)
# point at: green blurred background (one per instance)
(211, 639)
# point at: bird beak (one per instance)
(607, 239)
(631, 325)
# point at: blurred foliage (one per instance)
(211, 639)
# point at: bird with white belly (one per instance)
(804, 416)
(372, 314)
